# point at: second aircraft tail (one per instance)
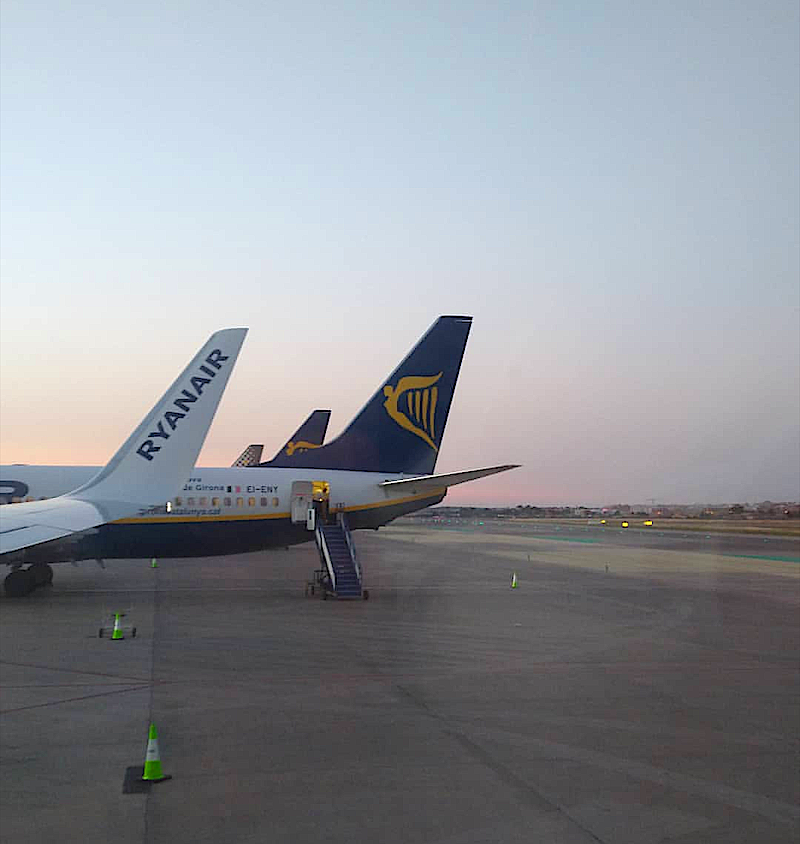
(310, 435)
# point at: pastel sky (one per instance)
(610, 189)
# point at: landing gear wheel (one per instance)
(365, 594)
(100, 633)
(19, 583)
(324, 594)
(42, 574)
(133, 633)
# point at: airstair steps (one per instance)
(348, 583)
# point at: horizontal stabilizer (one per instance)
(431, 482)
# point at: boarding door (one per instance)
(303, 504)
(321, 494)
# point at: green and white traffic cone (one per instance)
(153, 563)
(152, 759)
(117, 633)
(514, 580)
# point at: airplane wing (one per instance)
(36, 522)
(148, 467)
(250, 456)
(433, 482)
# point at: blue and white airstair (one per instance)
(340, 573)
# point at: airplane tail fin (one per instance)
(400, 428)
(155, 460)
(251, 456)
(310, 435)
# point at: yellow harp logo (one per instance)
(412, 404)
(299, 446)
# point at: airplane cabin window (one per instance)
(240, 502)
(203, 501)
(215, 502)
(251, 502)
(190, 502)
(227, 501)
(263, 501)
(178, 501)
(275, 502)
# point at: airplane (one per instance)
(141, 476)
(311, 434)
(380, 467)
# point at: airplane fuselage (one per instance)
(221, 510)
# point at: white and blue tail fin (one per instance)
(251, 456)
(155, 460)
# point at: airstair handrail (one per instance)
(351, 546)
(323, 547)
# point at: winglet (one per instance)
(149, 466)
(159, 455)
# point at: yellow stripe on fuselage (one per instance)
(171, 520)
(240, 517)
(390, 501)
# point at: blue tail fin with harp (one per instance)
(400, 428)
(310, 435)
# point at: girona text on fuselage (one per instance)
(184, 404)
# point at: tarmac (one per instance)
(633, 689)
